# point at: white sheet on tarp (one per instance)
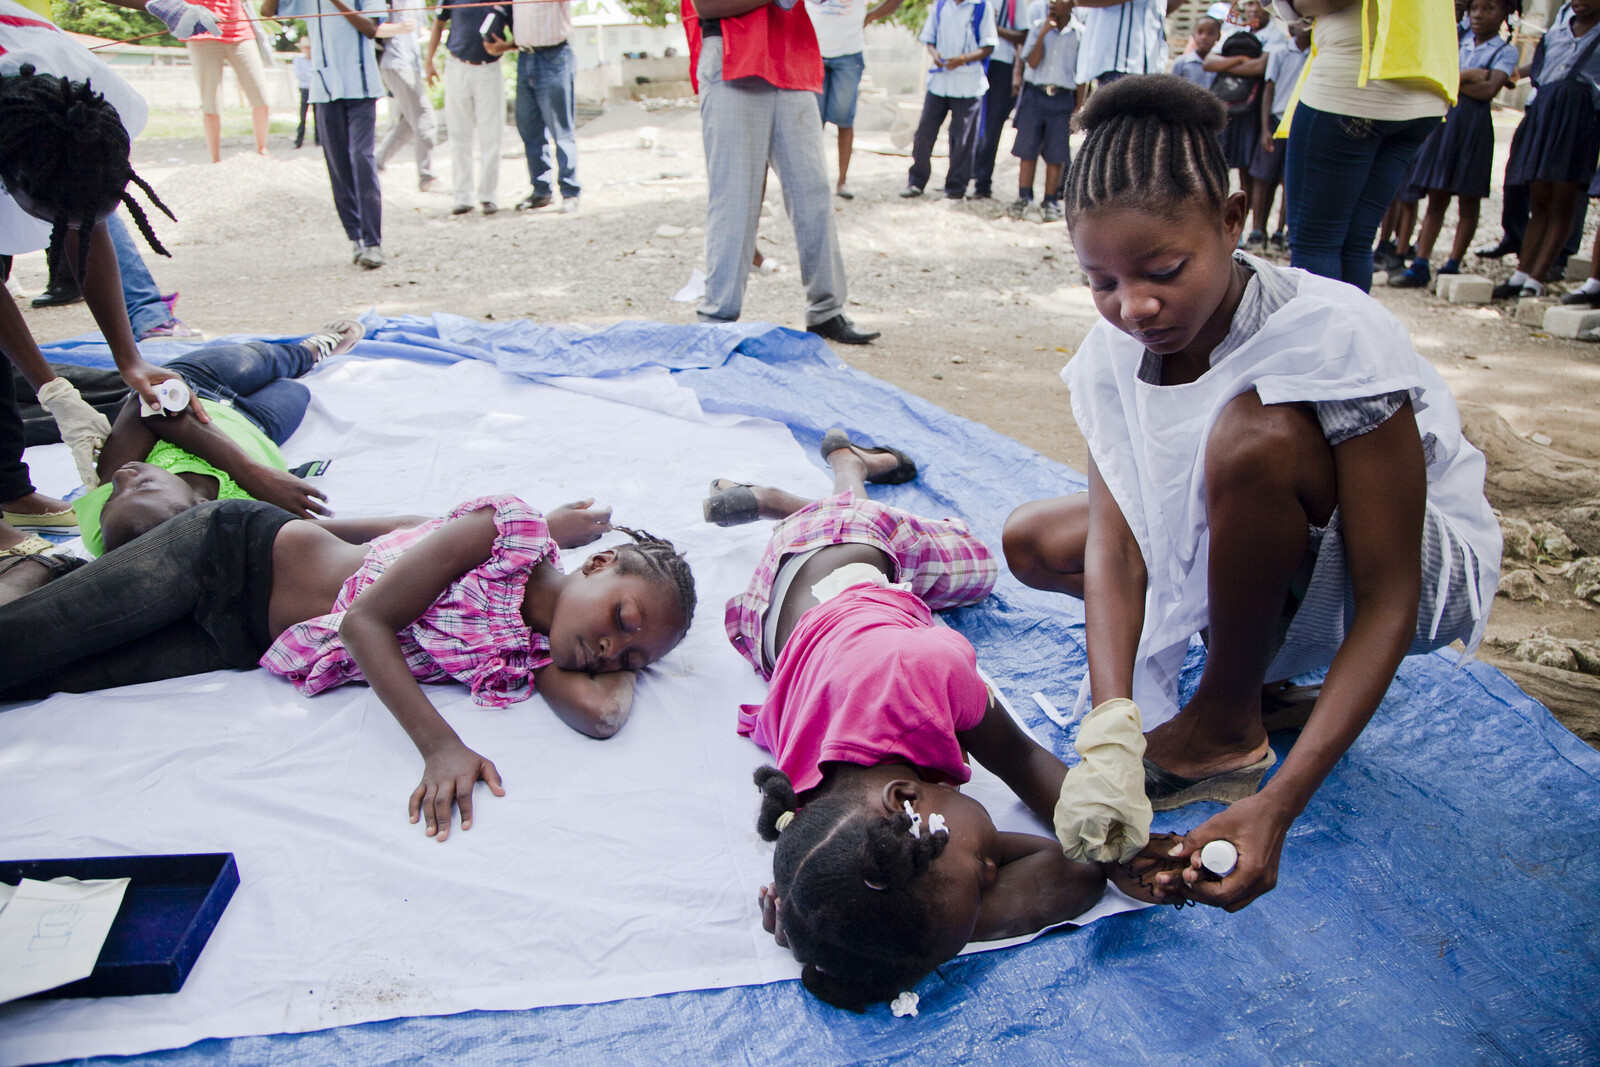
(610, 869)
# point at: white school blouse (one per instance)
(1329, 342)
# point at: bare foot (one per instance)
(1200, 742)
(23, 577)
(35, 504)
(10, 536)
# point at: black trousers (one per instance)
(997, 105)
(14, 480)
(188, 597)
(963, 112)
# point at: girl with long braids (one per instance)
(65, 125)
(476, 597)
(883, 868)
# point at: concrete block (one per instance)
(1380, 278)
(1530, 311)
(1570, 322)
(1469, 289)
(1578, 268)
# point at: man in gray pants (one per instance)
(758, 105)
(401, 70)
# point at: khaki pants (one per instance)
(207, 58)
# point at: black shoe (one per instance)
(534, 201)
(910, 191)
(62, 292)
(1506, 291)
(1504, 248)
(1580, 299)
(841, 329)
(461, 209)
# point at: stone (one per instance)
(1380, 278)
(666, 230)
(1568, 322)
(1546, 651)
(1530, 311)
(1520, 585)
(1585, 575)
(1543, 440)
(1581, 524)
(1553, 542)
(958, 359)
(1578, 268)
(1588, 657)
(1519, 542)
(1470, 289)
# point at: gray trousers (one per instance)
(748, 123)
(413, 119)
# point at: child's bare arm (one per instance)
(592, 704)
(360, 531)
(398, 598)
(1486, 87)
(1036, 887)
(1382, 500)
(1114, 581)
(1032, 771)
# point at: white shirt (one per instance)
(27, 38)
(1059, 64)
(1131, 38)
(953, 36)
(839, 26)
(541, 25)
(1009, 15)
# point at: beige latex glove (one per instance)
(82, 427)
(1103, 815)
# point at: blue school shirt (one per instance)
(1059, 66)
(1008, 15)
(1283, 71)
(954, 36)
(344, 65)
(1130, 38)
(1561, 50)
(1496, 53)
(1190, 67)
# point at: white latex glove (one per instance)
(82, 427)
(183, 19)
(1103, 815)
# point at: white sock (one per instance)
(1592, 285)
(1518, 279)
(1537, 288)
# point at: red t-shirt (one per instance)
(769, 43)
(231, 20)
(868, 678)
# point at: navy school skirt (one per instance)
(1558, 138)
(1458, 157)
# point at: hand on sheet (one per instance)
(1256, 826)
(272, 486)
(448, 778)
(767, 895)
(578, 523)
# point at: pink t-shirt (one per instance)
(231, 19)
(868, 678)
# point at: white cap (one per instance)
(1219, 857)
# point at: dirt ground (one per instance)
(978, 314)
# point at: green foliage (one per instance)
(911, 14)
(104, 20)
(286, 36)
(652, 12)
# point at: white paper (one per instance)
(51, 933)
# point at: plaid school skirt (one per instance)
(946, 565)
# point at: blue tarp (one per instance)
(1436, 902)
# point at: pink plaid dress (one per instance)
(946, 565)
(473, 634)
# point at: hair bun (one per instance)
(1165, 97)
(777, 797)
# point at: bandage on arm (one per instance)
(1103, 815)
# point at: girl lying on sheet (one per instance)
(477, 596)
(1271, 461)
(883, 869)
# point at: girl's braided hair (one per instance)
(1153, 143)
(849, 883)
(63, 145)
(658, 560)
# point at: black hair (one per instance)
(1152, 142)
(64, 145)
(658, 560)
(848, 882)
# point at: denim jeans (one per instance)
(146, 309)
(190, 596)
(254, 377)
(1340, 173)
(546, 114)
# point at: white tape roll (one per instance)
(1219, 857)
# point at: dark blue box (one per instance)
(168, 912)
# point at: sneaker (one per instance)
(490, 207)
(173, 330)
(534, 201)
(461, 209)
(910, 191)
(372, 257)
(955, 196)
(1506, 291)
(1415, 276)
(1381, 254)
(843, 193)
(430, 185)
(1255, 242)
(1495, 251)
(1580, 298)
(334, 339)
(1019, 207)
(1052, 211)
(985, 195)
(1279, 242)
(355, 251)
(1451, 266)
(569, 205)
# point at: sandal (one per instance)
(58, 565)
(1167, 791)
(28, 546)
(902, 472)
(734, 505)
(66, 520)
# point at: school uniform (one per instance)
(1458, 158)
(1296, 338)
(1049, 96)
(998, 101)
(1191, 68)
(1559, 137)
(345, 87)
(1130, 38)
(1283, 73)
(1242, 135)
(953, 28)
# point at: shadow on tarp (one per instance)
(1437, 901)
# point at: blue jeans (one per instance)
(146, 309)
(841, 82)
(254, 377)
(1340, 173)
(546, 114)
